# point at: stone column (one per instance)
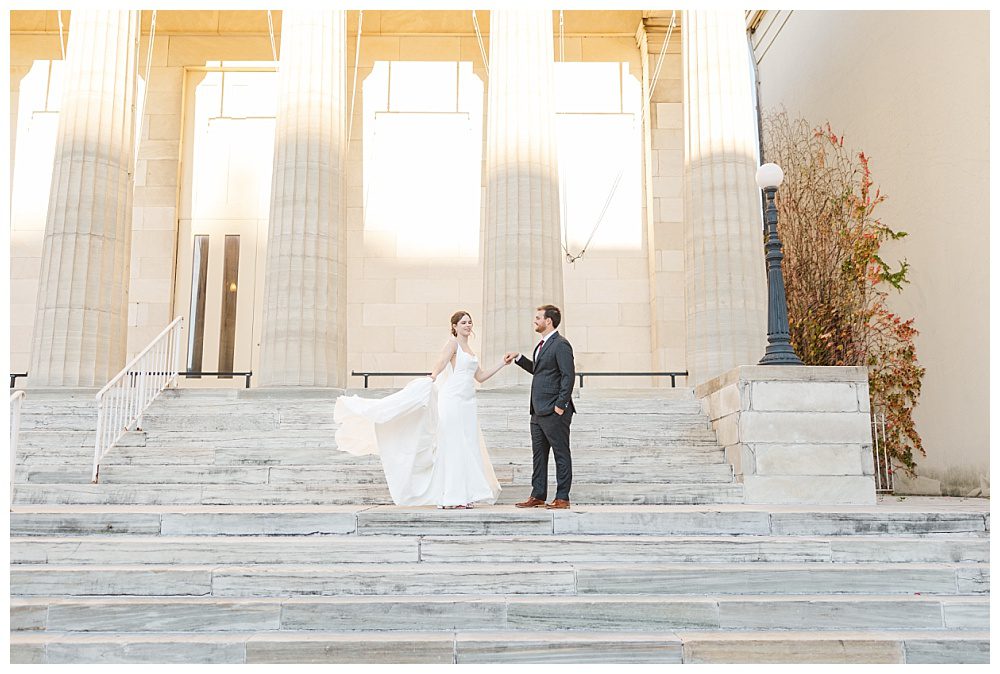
(81, 318)
(725, 278)
(522, 250)
(305, 305)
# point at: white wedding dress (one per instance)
(427, 436)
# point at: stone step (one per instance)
(517, 404)
(485, 404)
(638, 438)
(676, 454)
(168, 408)
(59, 439)
(371, 473)
(611, 437)
(305, 419)
(841, 647)
(291, 580)
(602, 520)
(490, 578)
(493, 548)
(223, 494)
(638, 613)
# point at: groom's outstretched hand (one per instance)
(509, 357)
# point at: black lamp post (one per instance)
(779, 346)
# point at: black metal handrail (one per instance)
(192, 373)
(673, 375)
(366, 375)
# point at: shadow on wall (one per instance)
(959, 481)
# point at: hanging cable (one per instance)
(562, 38)
(482, 49)
(563, 195)
(270, 32)
(621, 171)
(145, 89)
(659, 60)
(62, 41)
(354, 87)
(600, 218)
(134, 106)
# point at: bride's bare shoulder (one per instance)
(450, 345)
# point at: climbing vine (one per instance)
(835, 276)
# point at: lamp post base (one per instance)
(780, 354)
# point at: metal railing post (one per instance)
(880, 453)
(176, 358)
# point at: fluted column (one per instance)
(725, 280)
(81, 318)
(305, 306)
(521, 239)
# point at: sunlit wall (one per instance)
(415, 189)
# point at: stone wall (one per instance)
(666, 174)
(796, 435)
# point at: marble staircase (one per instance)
(228, 447)
(230, 530)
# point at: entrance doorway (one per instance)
(226, 167)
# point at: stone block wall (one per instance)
(666, 175)
(795, 435)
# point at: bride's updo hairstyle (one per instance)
(455, 318)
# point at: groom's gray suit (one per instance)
(553, 373)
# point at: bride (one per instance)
(427, 434)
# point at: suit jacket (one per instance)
(553, 374)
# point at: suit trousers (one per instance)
(551, 431)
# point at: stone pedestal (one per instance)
(795, 435)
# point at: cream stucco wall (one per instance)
(911, 89)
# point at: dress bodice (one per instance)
(462, 379)
(465, 363)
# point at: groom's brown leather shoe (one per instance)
(558, 504)
(532, 502)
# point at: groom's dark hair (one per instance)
(551, 311)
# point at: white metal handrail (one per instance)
(121, 403)
(880, 450)
(16, 398)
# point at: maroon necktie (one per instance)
(537, 349)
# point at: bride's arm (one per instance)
(446, 353)
(482, 375)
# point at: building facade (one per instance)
(316, 192)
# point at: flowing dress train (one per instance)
(427, 437)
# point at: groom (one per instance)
(551, 408)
